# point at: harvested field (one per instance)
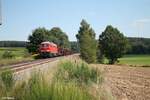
(127, 83)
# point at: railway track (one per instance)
(23, 71)
(22, 66)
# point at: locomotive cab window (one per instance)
(46, 45)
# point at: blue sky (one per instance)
(21, 17)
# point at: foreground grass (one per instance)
(37, 88)
(80, 73)
(70, 82)
(137, 60)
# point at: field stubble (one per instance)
(127, 83)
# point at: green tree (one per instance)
(87, 42)
(55, 35)
(74, 46)
(59, 37)
(112, 43)
(100, 54)
(38, 35)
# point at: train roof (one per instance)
(47, 42)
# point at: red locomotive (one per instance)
(50, 49)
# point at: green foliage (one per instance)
(112, 43)
(74, 47)
(55, 35)
(59, 37)
(87, 42)
(136, 46)
(13, 43)
(8, 54)
(100, 57)
(38, 35)
(100, 54)
(81, 73)
(139, 46)
(6, 77)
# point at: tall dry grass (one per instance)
(68, 83)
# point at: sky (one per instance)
(21, 17)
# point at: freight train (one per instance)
(49, 49)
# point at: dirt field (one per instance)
(127, 83)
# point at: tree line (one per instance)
(137, 45)
(13, 43)
(112, 44)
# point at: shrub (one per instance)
(6, 77)
(80, 73)
(8, 54)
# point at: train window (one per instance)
(47, 45)
(42, 45)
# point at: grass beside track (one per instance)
(20, 55)
(17, 51)
(70, 82)
(135, 60)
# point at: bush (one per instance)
(7, 78)
(8, 54)
(80, 73)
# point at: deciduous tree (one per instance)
(55, 35)
(113, 43)
(87, 42)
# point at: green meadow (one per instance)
(13, 55)
(137, 60)
(17, 51)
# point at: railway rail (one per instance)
(17, 68)
(26, 65)
(23, 71)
